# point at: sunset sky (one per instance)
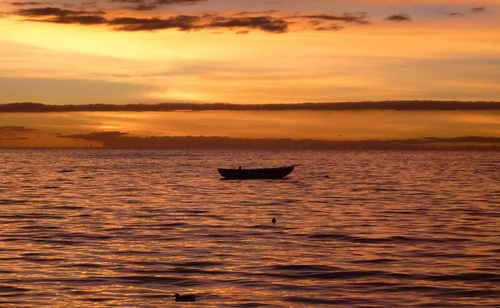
(249, 52)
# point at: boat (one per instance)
(258, 173)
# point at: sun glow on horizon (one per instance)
(317, 125)
(220, 51)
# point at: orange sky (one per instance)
(46, 129)
(204, 51)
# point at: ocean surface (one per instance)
(129, 228)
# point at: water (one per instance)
(129, 228)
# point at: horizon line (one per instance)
(395, 105)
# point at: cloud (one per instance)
(143, 5)
(455, 14)
(170, 2)
(187, 23)
(473, 10)
(240, 22)
(356, 18)
(16, 129)
(341, 106)
(270, 21)
(14, 138)
(180, 22)
(27, 3)
(328, 22)
(57, 15)
(46, 11)
(97, 136)
(118, 139)
(399, 17)
(12, 133)
(264, 23)
(55, 12)
(478, 9)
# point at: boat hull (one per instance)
(260, 173)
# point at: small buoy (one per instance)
(274, 220)
(184, 298)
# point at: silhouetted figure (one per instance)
(274, 220)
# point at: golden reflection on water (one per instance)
(127, 228)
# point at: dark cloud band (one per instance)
(57, 15)
(143, 5)
(180, 22)
(384, 105)
(240, 22)
(123, 140)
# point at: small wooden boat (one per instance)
(259, 173)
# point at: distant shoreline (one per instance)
(123, 141)
(415, 105)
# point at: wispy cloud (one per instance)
(326, 22)
(399, 17)
(11, 129)
(356, 18)
(264, 23)
(57, 15)
(478, 9)
(143, 5)
(26, 3)
(181, 22)
(11, 133)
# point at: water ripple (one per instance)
(129, 228)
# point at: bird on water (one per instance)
(184, 298)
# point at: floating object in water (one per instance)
(259, 173)
(274, 220)
(184, 298)
(65, 170)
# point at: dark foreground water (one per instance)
(127, 228)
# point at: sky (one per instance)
(249, 52)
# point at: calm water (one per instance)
(127, 228)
